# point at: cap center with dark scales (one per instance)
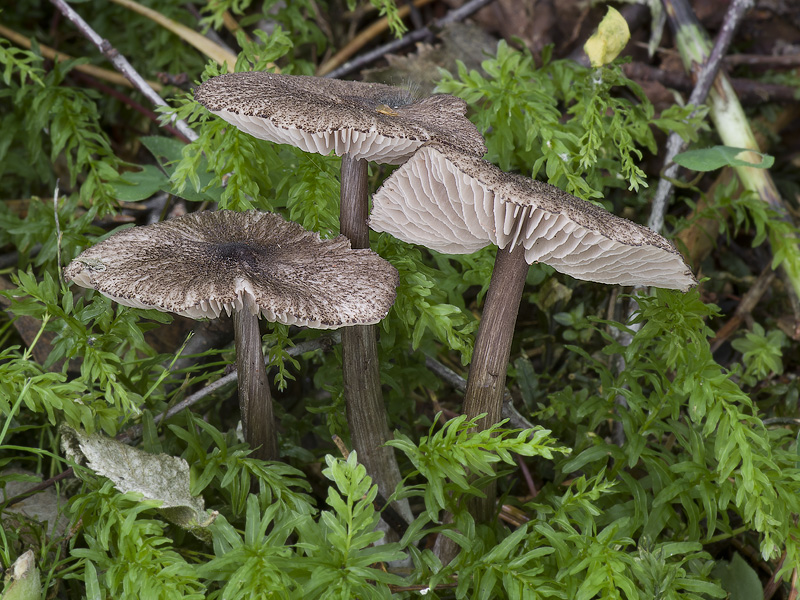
(240, 253)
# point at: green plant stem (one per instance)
(734, 129)
(486, 382)
(255, 400)
(366, 413)
(726, 536)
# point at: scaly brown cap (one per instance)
(377, 122)
(202, 264)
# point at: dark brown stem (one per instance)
(366, 414)
(774, 582)
(354, 208)
(486, 382)
(255, 400)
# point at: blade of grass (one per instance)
(190, 36)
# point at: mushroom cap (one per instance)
(373, 121)
(204, 263)
(455, 203)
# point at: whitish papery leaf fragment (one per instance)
(158, 477)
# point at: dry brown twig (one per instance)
(746, 306)
(415, 36)
(364, 37)
(750, 92)
(120, 63)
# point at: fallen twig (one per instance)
(37, 488)
(445, 373)
(364, 37)
(780, 421)
(750, 92)
(788, 61)
(705, 78)
(746, 306)
(415, 36)
(324, 342)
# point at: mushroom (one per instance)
(455, 203)
(360, 122)
(251, 264)
(369, 121)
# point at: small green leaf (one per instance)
(140, 185)
(163, 148)
(739, 579)
(91, 581)
(168, 152)
(716, 157)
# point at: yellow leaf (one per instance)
(609, 40)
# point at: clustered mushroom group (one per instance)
(443, 196)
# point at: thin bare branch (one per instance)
(410, 38)
(120, 63)
(508, 411)
(324, 342)
(705, 79)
